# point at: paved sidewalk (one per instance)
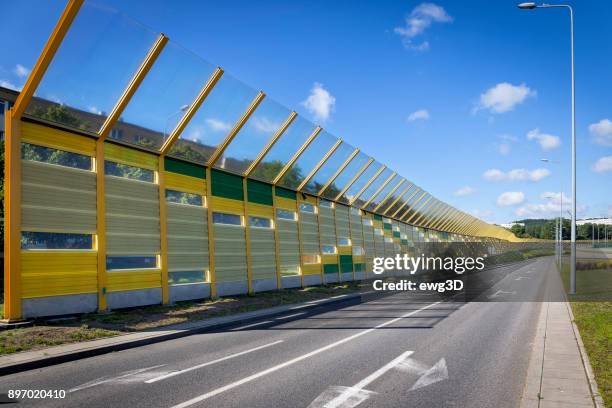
(559, 373)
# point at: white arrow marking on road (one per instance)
(124, 377)
(522, 277)
(175, 373)
(501, 292)
(349, 397)
(437, 373)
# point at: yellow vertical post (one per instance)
(276, 241)
(101, 224)
(211, 236)
(163, 231)
(12, 219)
(318, 201)
(247, 235)
(300, 243)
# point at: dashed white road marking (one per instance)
(290, 316)
(196, 367)
(251, 325)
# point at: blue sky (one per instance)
(487, 85)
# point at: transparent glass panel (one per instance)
(211, 124)
(286, 215)
(360, 182)
(328, 249)
(55, 240)
(369, 192)
(254, 136)
(55, 156)
(327, 204)
(162, 98)
(260, 222)
(308, 160)
(384, 192)
(328, 169)
(126, 171)
(180, 197)
(226, 219)
(283, 150)
(178, 278)
(131, 262)
(307, 208)
(95, 62)
(411, 204)
(400, 203)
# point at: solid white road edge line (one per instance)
(251, 325)
(296, 360)
(290, 316)
(186, 370)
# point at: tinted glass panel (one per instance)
(162, 98)
(180, 197)
(228, 219)
(254, 136)
(328, 249)
(211, 124)
(361, 182)
(346, 176)
(285, 215)
(260, 222)
(384, 192)
(309, 208)
(131, 172)
(54, 156)
(177, 278)
(93, 65)
(373, 188)
(308, 160)
(284, 149)
(130, 262)
(55, 240)
(328, 169)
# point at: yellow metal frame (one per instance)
(440, 213)
(297, 155)
(46, 56)
(211, 236)
(354, 179)
(433, 214)
(406, 202)
(399, 197)
(411, 206)
(270, 144)
(319, 164)
(393, 190)
(247, 236)
(449, 219)
(163, 232)
(438, 224)
(440, 217)
(337, 173)
(368, 184)
(276, 241)
(131, 88)
(419, 209)
(191, 111)
(379, 189)
(232, 134)
(425, 211)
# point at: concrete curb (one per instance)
(28, 360)
(597, 398)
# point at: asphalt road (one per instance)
(385, 351)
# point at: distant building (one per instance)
(601, 220)
(512, 224)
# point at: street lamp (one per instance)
(531, 6)
(560, 223)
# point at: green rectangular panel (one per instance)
(185, 168)
(404, 242)
(346, 259)
(396, 234)
(387, 226)
(378, 217)
(258, 192)
(346, 267)
(283, 192)
(330, 268)
(226, 185)
(359, 267)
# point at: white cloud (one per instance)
(516, 175)
(320, 102)
(94, 110)
(602, 165)
(464, 191)
(421, 114)
(551, 207)
(510, 198)
(8, 84)
(21, 71)
(420, 19)
(602, 131)
(503, 97)
(505, 146)
(555, 197)
(264, 125)
(218, 125)
(546, 141)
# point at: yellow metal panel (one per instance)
(345, 250)
(308, 199)
(261, 210)
(187, 184)
(132, 280)
(53, 273)
(329, 259)
(131, 157)
(227, 205)
(311, 269)
(285, 203)
(57, 139)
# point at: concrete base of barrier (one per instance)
(312, 280)
(232, 288)
(262, 285)
(291, 282)
(189, 291)
(331, 277)
(59, 305)
(346, 276)
(359, 275)
(134, 298)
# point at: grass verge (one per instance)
(94, 326)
